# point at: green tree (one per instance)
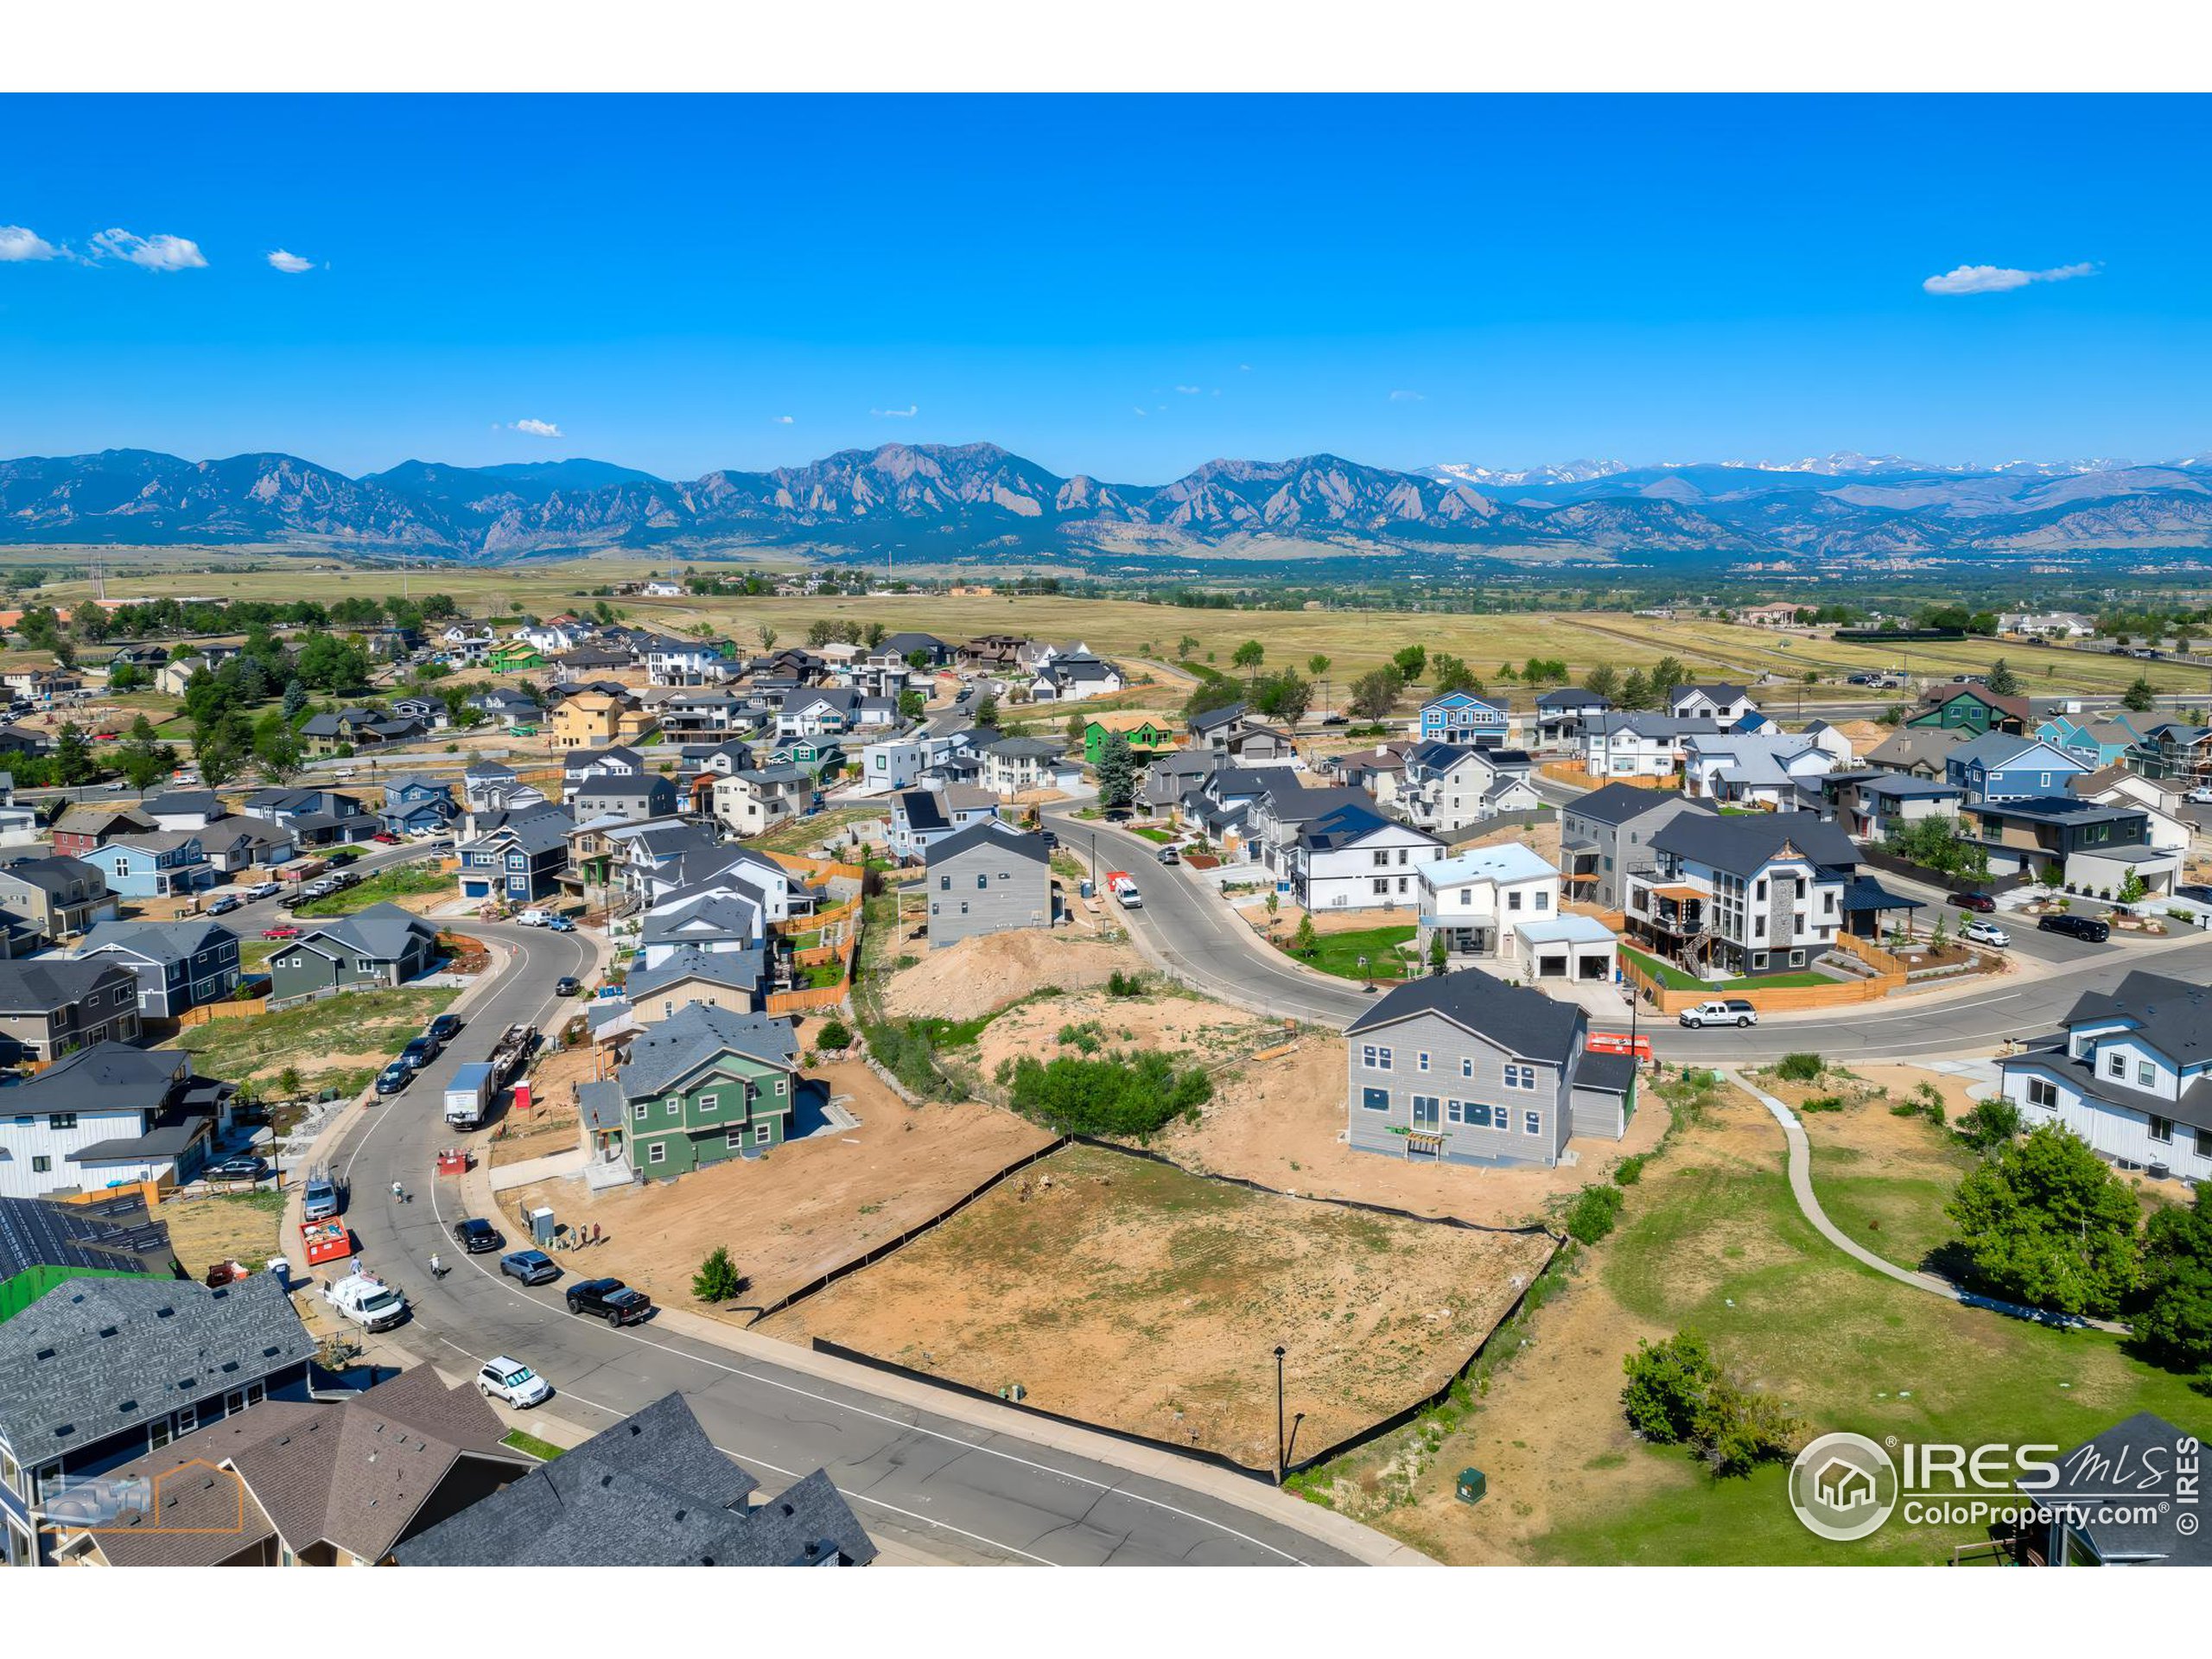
(1117, 771)
(1451, 673)
(912, 705)
(142, 759)
(127, 676)
(1185, 645)
(2002, 681)
(1248, 655)
(295, 699)
(1284, 694)
(1409, 661)
(1636, 691)
(2175, 1327)
(2048, 1222)
(1210, 694)
(1304, 941)
(1991, 1124)
(2140, 697)
(1667, 1385)
(277, 753)
(986, 711)
(768, 638)
(72, 757)
(1375, 693)
(1317, 666)
(219, 762)
(1666, 674)
(718, 1278)
(1604, 681)
(1440, 953)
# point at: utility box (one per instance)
(1473, 1483)
(541, 1226)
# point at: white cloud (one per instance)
(782, 420)
(905, 414)
(1189, 391)
(1996, 279)
(1133, 410)
(535, 429)
(1408, 397)
(150, 252)
(18, 243)
(1243, 368)
(291, 264)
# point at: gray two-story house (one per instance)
(60, 897)
(51, 1006)
(634, 797)
(988, 878)
(1607, 833)
(371, 950)
(1462, 1068)
(179, 965)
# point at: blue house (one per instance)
(414, 805)
(1463, 718)
(1998, 767)
(519, 859)
(154, 863)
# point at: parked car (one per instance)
(2086, 928)
(320, 1200)
(513, 1381)
(1128, 896)
(281, 931)
(444, 1029)
(1335, 720)
(419, 1053)
(1981, 932)
(264, 889)
(609, 1300)
(1980, 902)
(476, 1236)
(385, 838)
(531, 918)
(395, 1077)
(1168, 855)
(559, 924)
(2201, 795)
(567, 985)
(1734, 1011)
(226, 904)
(2201, 895)
(237, 1169)
(531, 1267)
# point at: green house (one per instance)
(706, 1085)
(1971, 709)
(515, 656)
(1148, 737)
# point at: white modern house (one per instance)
(1640, 745)
(2132, 1078)
(1721, 703)
(1353, 858)
(1740, 769)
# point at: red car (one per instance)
(1980, 902)
(386, 838)
(281, 931)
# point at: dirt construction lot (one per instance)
(802, 1209)
(1127, 1292)
(968, 979)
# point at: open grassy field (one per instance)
(386, 887)
(338, 1043)
(1127, 1292)
(1710, 1240)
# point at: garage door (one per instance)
(1598, 967)
(1551, 967)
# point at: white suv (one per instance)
(513, 1381)
(1983, 932)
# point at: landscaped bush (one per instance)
(1116, 1095)
(1822, 1104)
(1592, 1214)
(1630, 1171)
(1677, 1393)
(1799, 1068)
(718, 1278)
(834, 1034)
(1991, 1124)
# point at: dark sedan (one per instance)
(476, 1236)
(1982, 903)
(2086, 928)
(531, 1267)
(442, 1030)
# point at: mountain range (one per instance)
(940, 503)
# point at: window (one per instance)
(1532, 1122)
(1375, 1058)
(2115, 1064)
(2162, 1130)
(658, 1152)
(1543, 901)
(945, 884)
(674, 1106)
(1374, 1100)
(1383, 884)
(733, 1138)
(2042, 1092)
(710, 1103)
(641, 1112)
(41, 1164)
(1420, 1060)
(157, 1432)
(983, 882)
(1427, 1113)
(2146, 1073)
(61, 1120)
(1467, 1066)
(1513, 899)
(2204, 1143)
(1520, 1076)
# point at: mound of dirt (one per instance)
(968, 979)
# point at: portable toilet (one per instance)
(541, 1226)
(1473, 1483)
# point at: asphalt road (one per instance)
(954, 1491)
(1187, 922)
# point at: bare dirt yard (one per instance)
(1127, 1292)
(806, 1207)
(241, 1227)
(969, 980)
(549, 1126)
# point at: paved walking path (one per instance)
(1801, 1186)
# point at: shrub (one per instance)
(1822, 1104)
(1592, 1214)
(1799, 1068)
(834, 1033)
(1121, 984)
(1677, 1393)
(718, 1278)
(1113, 1096)
(1630, 1171)
(1991, 1124)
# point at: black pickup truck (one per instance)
(610, 1300)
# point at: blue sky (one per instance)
(1122, 286)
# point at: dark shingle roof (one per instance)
(1517, 1018)
(694, 1035)
(740, 970)
(1742, 843)
(117, 1237)
(44, 984)
(994, 833)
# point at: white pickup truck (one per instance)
(367, 1300)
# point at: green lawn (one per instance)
(544, 1450)
(1340, 953)
(1163, 837)
(1676, 980)
(405, 881)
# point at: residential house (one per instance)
(60, 897)
(1463, 718)
(1216, 728)
(1446, 787)
(174, 677)
(2175, 751)
(51, 1005)
(180, 965)
(988, 878)
(705, 1086)
(642, 795)
(503, 707)
(716, 917)
(2128, 1076)
(735, 980)
(1482, 902)
(107, 1114)
(818, 711)
(1380, 770)
(1917, 752)
(601, 661)
(156, 863)
(996, 652)
(1146, 733)
(1462, 1068)
(489, 787)
(1353, 858)
(1073, 675)
(1562, 715)
(2171, 823)
(1607, 835)
(90, 1380)
(1641, 746)
(79, 830)
(1173, 775)
(651, 1490)
(899, 762)
(515, 857)
(316, 818)
(1781, 614)
(1014, 765)
(1719, 703)
(922, 817)
(370, 949)
(334, 1482)
(431, 711)
(597, 719)
(413, 804)
(1759, 894)
(17, 739)
(516, 656)
(753, 802)
(1972, 709)
(2001, 766)
(672, 661)
(1765, 771)
(183, 808)
(616, 761)
(2094, 848)
(45, 1242)
(2058, 625)
(935, 653)
(1874, 805)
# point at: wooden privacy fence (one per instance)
(1767, 998)
(826, 996)
(241, 1008)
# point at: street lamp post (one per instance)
(1282, 1448)
(1366, 979)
